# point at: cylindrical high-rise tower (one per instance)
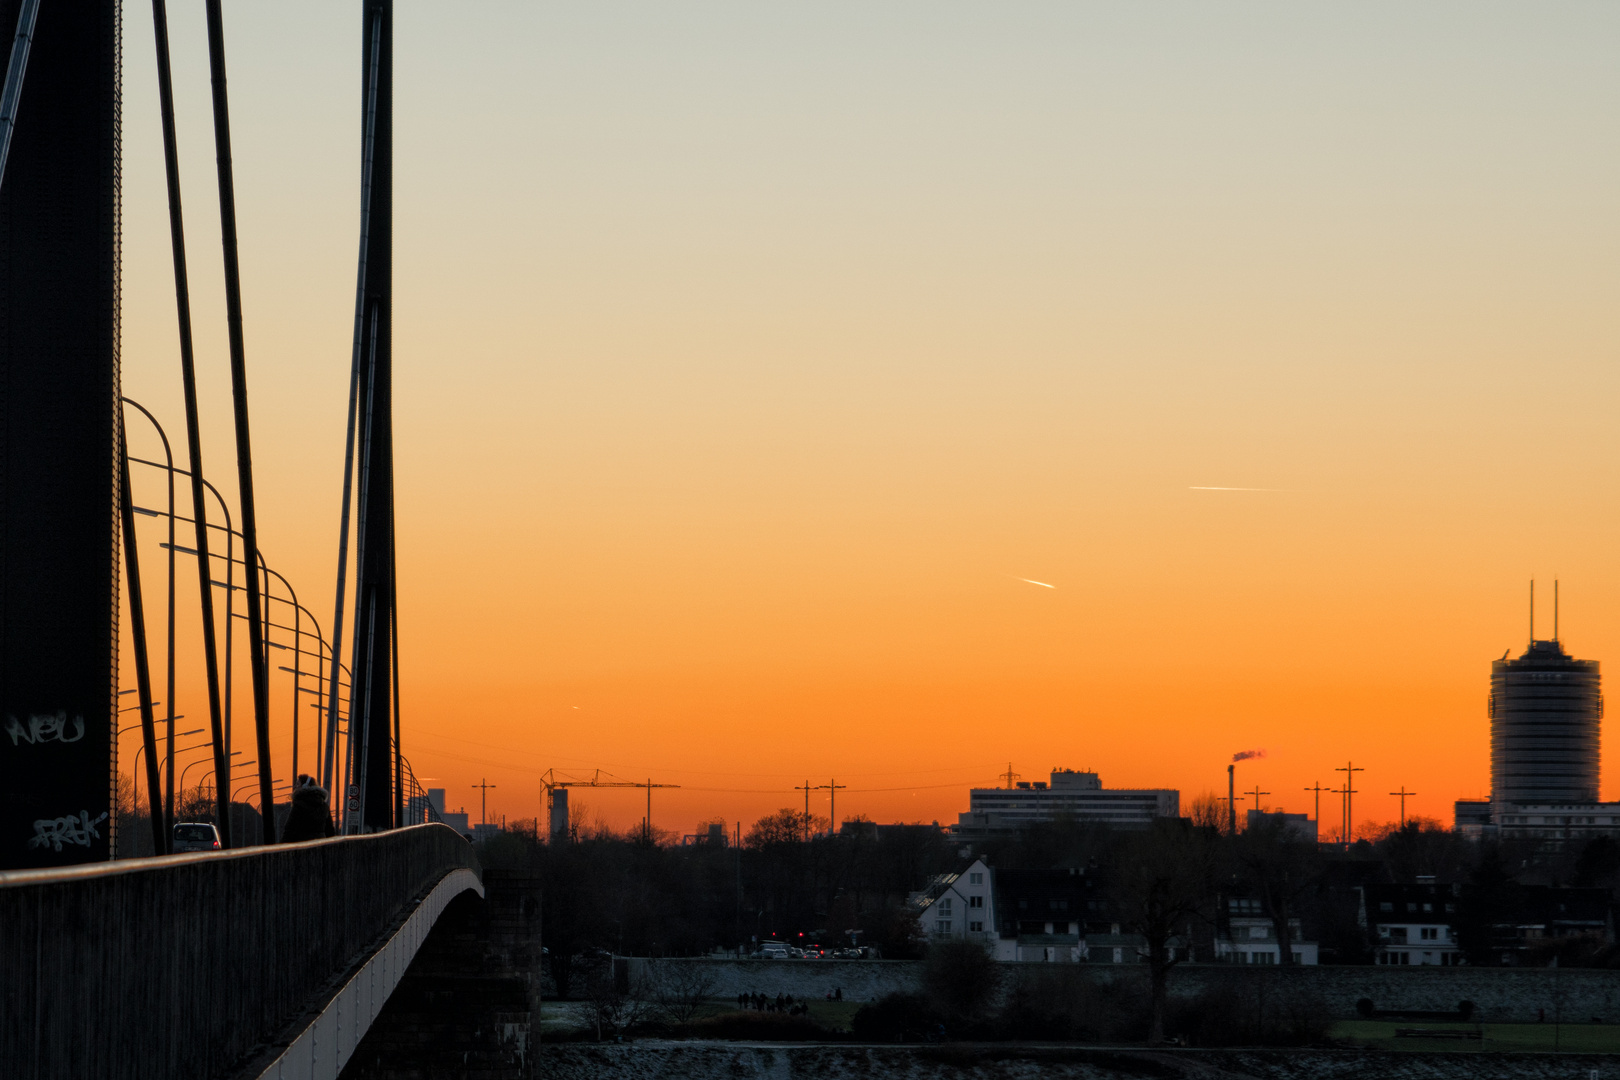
(1545, 709)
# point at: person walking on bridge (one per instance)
(310, 818)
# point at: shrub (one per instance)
(961, 979)
(897, 1018)
(1054, 1003)
(1251, 1011)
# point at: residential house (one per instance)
(960, 905)
(1247, 934)
(1412, 924)
(1043, 914)
(1528, 925)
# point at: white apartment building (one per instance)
(1250, 937)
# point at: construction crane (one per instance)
(558, 816)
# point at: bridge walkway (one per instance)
(256, 961)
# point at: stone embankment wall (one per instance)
(860, 980)
(1498, 994)
(651, 1060)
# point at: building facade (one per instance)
(1076, 795)
(1300, 826)
(1546, 713)
(1248, 935)
(1545, 710)
(1043, 914)
(1412, 924)
(959, 906)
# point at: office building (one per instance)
(1546, 712)
(559, 813)
(1079, 796)
(1300, 826)
(1471, 817)
(1545, 708)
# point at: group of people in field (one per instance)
(782, 1003)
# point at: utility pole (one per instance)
(1403, 793)
(1009, 776)
(832, 787)
(807, 789)
(1317, 788)
(1257, 793)
(1350, 769)
(647, 833)
(483, 808)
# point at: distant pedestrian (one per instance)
(310, 818)
(838, 993)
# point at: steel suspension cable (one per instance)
(188, 382)
(239, 399)
(11, 95)
(330, 762)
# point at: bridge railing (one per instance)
(187, 965)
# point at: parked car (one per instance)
(195, 836)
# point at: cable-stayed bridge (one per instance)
(263, 956)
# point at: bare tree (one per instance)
(1209, 811)
(785, 826)
(1164, 882)
(681, 988)
(1280, 865)
(615, 1008)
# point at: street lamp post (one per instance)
(194, 764)
(323, 654)
(178, 735)
(168, 468)
(220, 719)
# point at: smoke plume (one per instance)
(1246, 755)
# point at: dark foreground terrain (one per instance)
(650, 1059)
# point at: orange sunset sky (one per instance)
(749, 358)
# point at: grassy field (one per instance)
(832, 1015)
(1497, 1038)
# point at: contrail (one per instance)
(1246, 755)
(1042, 584)
(1234, 489)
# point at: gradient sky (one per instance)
(748, 357)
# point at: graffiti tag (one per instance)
(66, 830)
(44, 728)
